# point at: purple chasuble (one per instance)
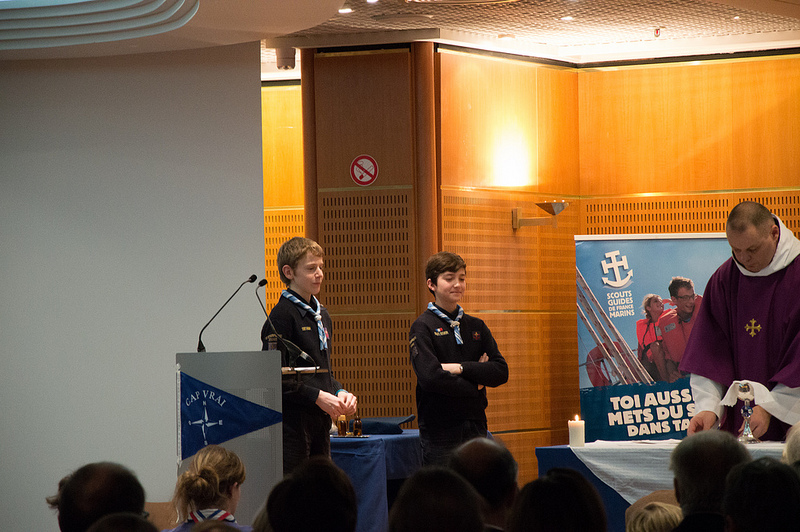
(748, 328)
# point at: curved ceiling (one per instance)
(36, 29)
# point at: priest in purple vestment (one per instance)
(749, 327)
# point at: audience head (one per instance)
(491, 469)
(560, 501)
(123, 522)
(655, 517)
(762, 495)
(791, 451)
(700, 464)
(213, 480)
(436, 499)
(315, 496)
(96, 490)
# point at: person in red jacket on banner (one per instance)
(652, 306)
(674, 326)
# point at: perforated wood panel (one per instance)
(371, 357)
(522, 284)
(701, 213)
(369, 290)
(523, 447)
(280, 224)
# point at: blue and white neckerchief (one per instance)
(455, 324)
(211, 515)
(323, 338)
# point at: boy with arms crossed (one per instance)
(309, 403)
(454, 356)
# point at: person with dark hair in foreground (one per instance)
(93, 491)
(762, 496)
(317, 496)
(560, 501)
(491, 469)
(436, 499)
(123, 522)
(700, 464)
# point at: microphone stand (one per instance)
(202, 348)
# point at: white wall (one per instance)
(130, 210)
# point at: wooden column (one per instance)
(429, 232)
(309, 142)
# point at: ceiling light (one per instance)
(372, 1)
(506, 36)
(345, 10)
(567, 18)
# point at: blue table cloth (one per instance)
(370, 463)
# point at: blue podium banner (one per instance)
(628, 390)
(211, 415)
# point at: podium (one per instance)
(220, 396)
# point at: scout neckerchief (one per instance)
(211, 515)
(455, 324)
(323, 340)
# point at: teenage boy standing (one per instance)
(454, 356)
(310, 402)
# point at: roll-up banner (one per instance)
(631, 388)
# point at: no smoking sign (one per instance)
(364, 170)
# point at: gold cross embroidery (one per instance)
(752, 328)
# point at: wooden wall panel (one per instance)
(681, 213)
(694, 128)
(363, 103)
(369, 291)
(489, 110)
(558, 131)
(766, 135)
(282, 145)
(282, 154)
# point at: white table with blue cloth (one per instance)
(372, 463)
(623, 472)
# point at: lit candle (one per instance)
(577, 433)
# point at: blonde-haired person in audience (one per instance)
(210, 489)
(791, 451)
(655, 517)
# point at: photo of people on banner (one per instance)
(637, 298)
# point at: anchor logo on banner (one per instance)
(615, 265)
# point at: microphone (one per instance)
(292, 349)
(200, 347)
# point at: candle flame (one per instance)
(577, 418)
